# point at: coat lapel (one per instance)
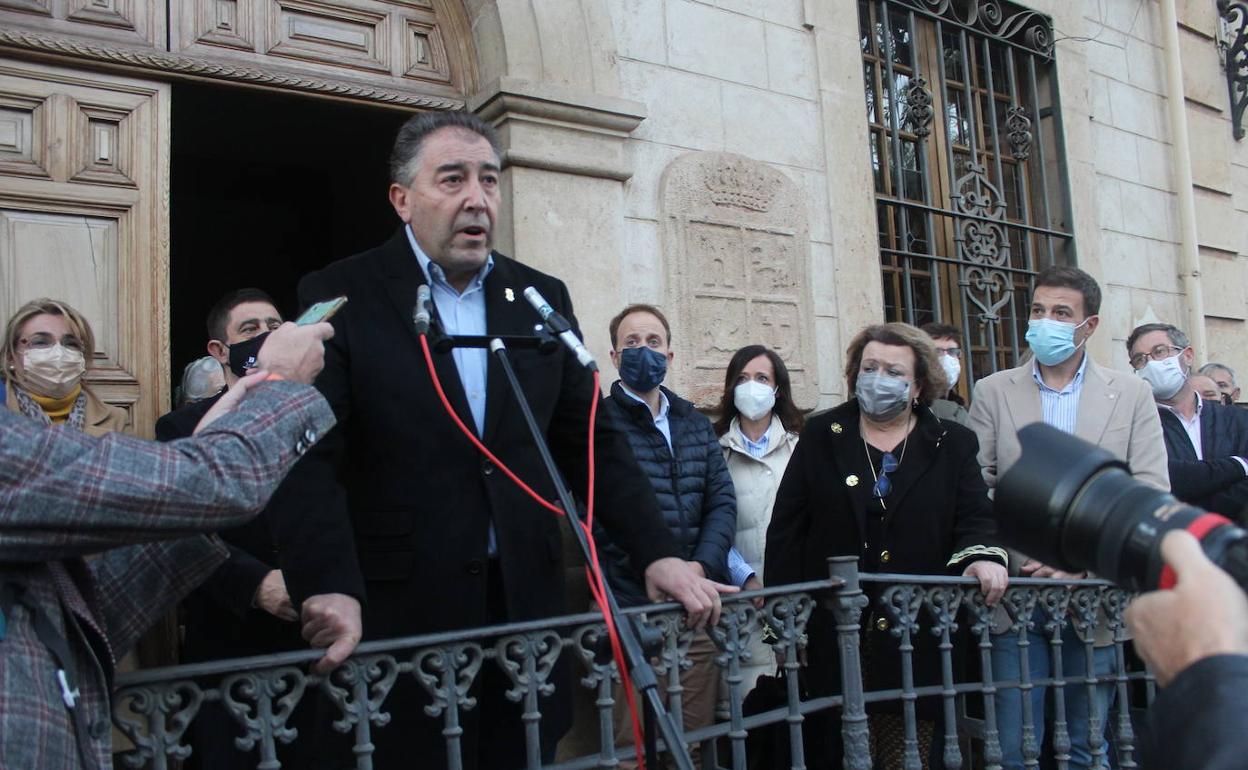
(1097, 400)
(403, 277)
(506, 312)
(1024, 399)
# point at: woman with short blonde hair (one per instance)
(48, 346)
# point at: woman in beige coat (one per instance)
(757, 428)
(47, 348)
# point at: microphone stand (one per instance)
(639, 642)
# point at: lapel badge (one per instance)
(851, 480)
(836, 428)
(509, 295)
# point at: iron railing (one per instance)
(154, 708)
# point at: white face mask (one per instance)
(753, 399)
(953, 368)
(1166, 377)
(51, 372)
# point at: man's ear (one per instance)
(398, 198)
(615, 359)
(1092, 322)
(220, 351)
(1188, 358)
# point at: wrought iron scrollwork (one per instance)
(983, 245)
(262, 702)
(996, 18)
(918, 112)
(1018, 124)
(1233, 46)
(164, 711)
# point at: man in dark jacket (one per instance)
(1206, 443)
(678, 450)
(243, 608)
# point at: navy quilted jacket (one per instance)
(691, 481)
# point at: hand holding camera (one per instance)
(1205, 614)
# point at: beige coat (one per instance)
(1116, 412)
(756, 481)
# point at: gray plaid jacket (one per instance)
(142, 506)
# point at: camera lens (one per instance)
(1076, 507)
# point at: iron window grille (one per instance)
(969, 167)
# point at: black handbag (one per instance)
(767, 747)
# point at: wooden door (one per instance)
(84, 180)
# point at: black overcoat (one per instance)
(394, 505)
(939, 521)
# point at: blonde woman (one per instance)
(48, 346)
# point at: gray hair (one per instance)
(1176, 335)
(201, 378)
(1209, 367)
(405, 155)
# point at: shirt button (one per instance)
(474, 567)
(309, 436)
(99, 729)
(881, 624)
(886, 557)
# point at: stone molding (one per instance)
(201, 67)
(560, 129)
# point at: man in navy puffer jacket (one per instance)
(677, 449)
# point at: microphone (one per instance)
(561, 328)
(420, 314)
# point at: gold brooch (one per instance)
(836, 427)
(851, 480)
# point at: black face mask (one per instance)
(243, 354)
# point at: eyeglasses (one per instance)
(883, 484)
(951, 352)
(43, 341)
(1159, 353)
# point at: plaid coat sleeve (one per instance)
(63, 494)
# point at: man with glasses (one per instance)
(1206, 442)
(1061, 386)
(949, 348)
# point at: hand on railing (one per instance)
(675, 580)
(332, 621)
(1033, 568)
(993, 579)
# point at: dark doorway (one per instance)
(265, 188)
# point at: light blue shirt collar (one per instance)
(434, 272)
(1075, 383)
(660, 420)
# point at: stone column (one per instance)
(565, 167)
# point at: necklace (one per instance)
(875, 478)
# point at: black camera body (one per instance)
(1074, 506)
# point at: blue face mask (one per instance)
(1052, 341)
(642, 368)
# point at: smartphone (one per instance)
(321, 311)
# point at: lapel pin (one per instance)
(851, 480)
(836, 428)
(509, 294)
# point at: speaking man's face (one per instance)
(452, 201)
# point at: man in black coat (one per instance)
(243, 608)
(397, 509)
(1206, 443)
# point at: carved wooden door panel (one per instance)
(84, 178)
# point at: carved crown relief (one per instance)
(736, 245)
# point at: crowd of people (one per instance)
(394, 523)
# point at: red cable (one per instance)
(594, 569)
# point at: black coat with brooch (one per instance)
(937, 520)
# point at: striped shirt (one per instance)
(1060, 407)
